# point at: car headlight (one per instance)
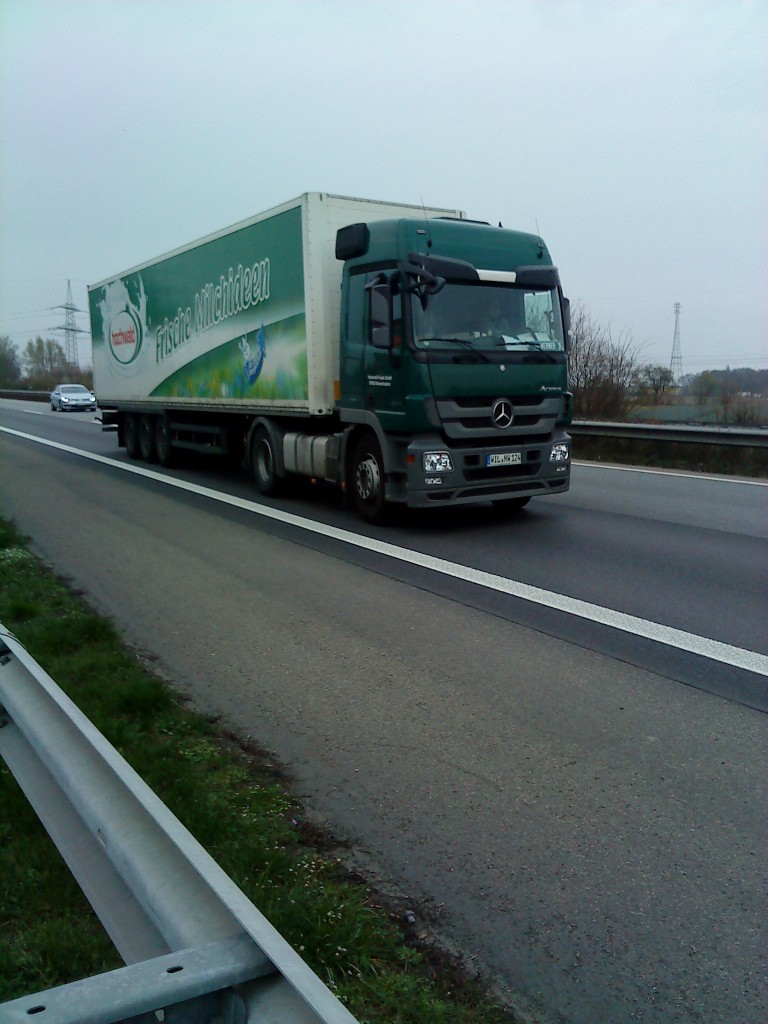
(64, 399)
(559, 452)
(437, 462)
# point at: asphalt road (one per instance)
(580, 809)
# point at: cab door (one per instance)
(354, 326)
(384, 356)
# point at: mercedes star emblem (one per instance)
(502, 413)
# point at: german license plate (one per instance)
(504, 459)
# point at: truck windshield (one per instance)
(486, 317)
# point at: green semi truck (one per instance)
(405, 354)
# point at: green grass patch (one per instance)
(230, 800)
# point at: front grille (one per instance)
(527, 400)
(470, 417)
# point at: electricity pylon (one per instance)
(676, 364)
(70, 328)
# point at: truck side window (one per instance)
(356, 306)
(397, 321)
(380, 319)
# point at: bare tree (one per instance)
(657, 379)
(704, 386)
(45, 363)
(10, 369)
(603, 369)
(728, 392)
(750, 411)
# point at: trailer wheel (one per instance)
(147, 439)
(368, 480)
(264, 464)
(163, 446)
(131, 436)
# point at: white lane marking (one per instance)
(709, 477)
(715, 650)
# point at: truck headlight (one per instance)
(559, 452)
(437, 462)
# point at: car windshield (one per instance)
(76, 389)
(490, 317)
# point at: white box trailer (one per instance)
(246, 319)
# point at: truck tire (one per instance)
(131, 436)
(368, 480)
(147, 439)
(264, 464)
(163, 446)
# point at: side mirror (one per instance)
(566, 313)
(352, 241)
(566, 322)
(381, 316)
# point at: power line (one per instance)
(24, 316)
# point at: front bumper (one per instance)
(472, 480)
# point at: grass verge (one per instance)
(227, 798)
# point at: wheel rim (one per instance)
(265, 464)
(368, 479)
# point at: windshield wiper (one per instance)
(524, 347)
(464, 343)
(518, 344)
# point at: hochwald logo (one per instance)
(125, 336)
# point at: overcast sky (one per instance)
(633, 134)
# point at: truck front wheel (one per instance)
(131, 436)
(368, 480)
(264, 464)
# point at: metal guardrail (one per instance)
(30, 396)
(194, 945)
(741, 436)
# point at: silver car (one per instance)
(72, 396)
